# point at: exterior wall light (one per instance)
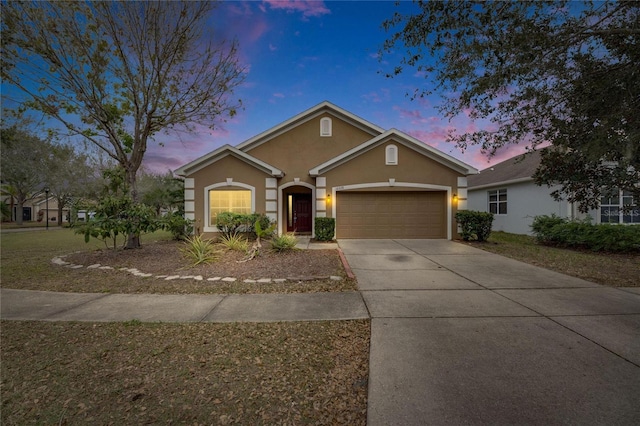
(328, 198)
(455, 198)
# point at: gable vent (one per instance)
(325, 127)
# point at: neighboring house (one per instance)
(507, 190)
(327, 162)
(41, 205)
(35, 210)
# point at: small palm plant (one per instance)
(199, 251)
(284, 242)
(234, 241)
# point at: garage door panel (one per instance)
(391, 215)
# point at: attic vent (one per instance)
(391, 155)
(325, 127)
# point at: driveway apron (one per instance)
(462, 336)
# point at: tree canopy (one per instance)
(559, 72)
(24, 166)
(118, 73)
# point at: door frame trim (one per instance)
(448, 189)
(281, 212)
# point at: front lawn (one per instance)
(615, 270)
(135, 373)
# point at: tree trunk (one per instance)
(20, 212)
(60, 213)
(133, 239)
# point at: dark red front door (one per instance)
(301, 213)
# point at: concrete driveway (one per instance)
(462, 336)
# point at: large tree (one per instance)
(70, 176)
(23, 166)
(118, 73)
(559, 72)
(162, 191)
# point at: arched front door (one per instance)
(299, 212)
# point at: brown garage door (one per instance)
(391, 215)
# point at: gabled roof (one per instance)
(515, 169)
(398, 137)
(225, 151)
(311, 113)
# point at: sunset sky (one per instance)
(300, 53)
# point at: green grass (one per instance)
(14, 225)
(26, 257)
(616, 270)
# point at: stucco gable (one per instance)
(222, 152)
(397, 137)
(305, 116)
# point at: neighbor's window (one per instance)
(325, 126)
(498, 201)
(391, 155)
(619, 207)
(234, 200)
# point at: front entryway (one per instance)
(299, 213)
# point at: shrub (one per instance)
(229, 223)
(561, 232)
(263, 230)
(284, 242)
(325, 228)
(261, 223)
(235, 242)
(179, 227)
(199, 251)
(474, 224)
(542, 225)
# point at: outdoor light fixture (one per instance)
(328, 198)
(455, 198)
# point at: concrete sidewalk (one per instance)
(52, 306)
(462, 336)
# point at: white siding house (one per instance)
(507, 190)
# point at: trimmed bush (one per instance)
(325, 228)
(582, 234)
(474, 225)
(229, 223)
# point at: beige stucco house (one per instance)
(327, 162)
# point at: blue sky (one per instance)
(301, 53)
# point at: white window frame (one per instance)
(391, 155)
(621, 214)
(498, 202)
(208, 227)
(326, 127)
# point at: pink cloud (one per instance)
(168, 152)
(307, 8)
(381, 95)
(415, 116)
